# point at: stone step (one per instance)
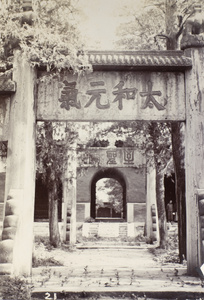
(123, 230)
(93, 230)
(105, 229)
(116, 246)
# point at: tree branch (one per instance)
(162, 35)
(138, 21)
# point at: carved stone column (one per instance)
(152, 230)
(72, 174)
(17, 234)
(193, 44)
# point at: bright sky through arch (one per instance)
(101, 18)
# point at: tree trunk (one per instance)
(52, 195)
(177, 137)
(172, 43)
(178, 156)
(53, 216)
(171, 12)
(161, 207)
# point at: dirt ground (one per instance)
(112, 270)
(110, 267)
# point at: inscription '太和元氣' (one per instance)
(69, 95)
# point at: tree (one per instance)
(112, 193)
(150, 137)
(45, 32)
(173, 33)
(176, 15)
(155, 137)
(157, 25)
(161, 144)
(115, 194)
(172, 16)
(138, 32)
(51, 153)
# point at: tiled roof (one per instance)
(163, 60)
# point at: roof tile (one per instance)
(140, 59)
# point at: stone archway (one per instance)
(156, 86)
(108, 173)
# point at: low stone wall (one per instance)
(109, 230)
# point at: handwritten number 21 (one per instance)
(47, 296)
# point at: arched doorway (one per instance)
(108, 210)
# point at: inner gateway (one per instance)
(109, 199)
(108, 196)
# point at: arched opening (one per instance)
(108, 196)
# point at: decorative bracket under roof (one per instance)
(139, 60)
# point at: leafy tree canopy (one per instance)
(150, 27)
(114, 194)
(47, 34)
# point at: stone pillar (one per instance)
(193, 45)
(152, 230)
(65, 207)
(72, 173)
(130, 212)
(194, 151)
(20, 174)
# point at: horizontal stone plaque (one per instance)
(113, 96)
(111, 157)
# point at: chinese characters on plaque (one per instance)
(120, 94)
(109, 157)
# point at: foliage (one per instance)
(45, 262)
(14, 288)
(160, 143)
(47, 34)
(115, 194)
(97, 143)
(154, 140)
(89, 220)
(150, 138)
(157, 26)
(52, 142)
(137, 31)
(127, 134)
(170, 254)
(43, 255)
